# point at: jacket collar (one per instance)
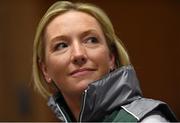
(114, 90)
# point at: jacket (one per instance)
(115, 97)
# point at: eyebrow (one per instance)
(64, 37)
(55, 39)
(88, 32)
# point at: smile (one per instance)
(82, 72)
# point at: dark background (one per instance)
(149, 29)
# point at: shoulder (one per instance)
(149, 108)
(154, 117)
(142, 110)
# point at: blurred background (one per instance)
(149, 29)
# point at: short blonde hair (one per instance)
(114, 43)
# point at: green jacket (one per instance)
(115, 98)
(140, 109)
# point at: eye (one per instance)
(60, 46)
(92, 40)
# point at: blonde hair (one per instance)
(115, 44)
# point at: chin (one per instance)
(83, 85)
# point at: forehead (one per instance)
(73, 14)
(71, 19)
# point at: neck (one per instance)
(74, 103)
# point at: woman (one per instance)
(84, 69)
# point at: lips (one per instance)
(82, 72)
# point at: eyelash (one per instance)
(63, 45)
(60, 47)
(92, 39)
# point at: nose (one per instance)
(79, 56)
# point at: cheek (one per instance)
(57, 67)
(101, 57)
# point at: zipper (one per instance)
(83, 106)
(62, 113)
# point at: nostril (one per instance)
(80, 60)
(83, 59)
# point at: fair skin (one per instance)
(76, 54)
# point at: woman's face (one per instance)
(76, 52)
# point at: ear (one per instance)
(112, 61)
(46, 76)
